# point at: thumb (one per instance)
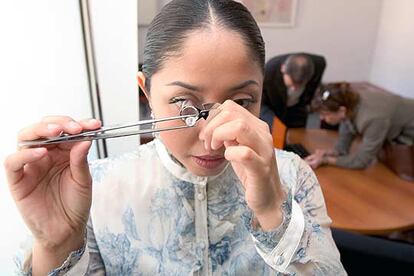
(79, 166)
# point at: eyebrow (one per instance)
(184, 85)
(244, 84)
(197, 89)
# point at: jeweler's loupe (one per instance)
(196, 113)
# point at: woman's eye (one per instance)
(244, 102)
(177, 100)
(181, 103)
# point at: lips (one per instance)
(209, 161)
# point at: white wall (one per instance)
(146, 11)
(343, 31)
(114, 25)
(393, 66)
(42, 72)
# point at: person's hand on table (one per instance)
(315, 160)
(321, 157)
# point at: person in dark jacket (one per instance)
(289, 85)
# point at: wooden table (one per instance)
(371, 201)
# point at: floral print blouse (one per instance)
(150, 216)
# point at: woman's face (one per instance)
(333, 118)
(214, 66)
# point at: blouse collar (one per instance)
(178, 170)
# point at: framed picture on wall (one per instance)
(273, 13)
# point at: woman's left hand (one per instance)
(321, 157)
(249, 148)
(316, 159)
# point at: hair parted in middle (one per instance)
(176, 20)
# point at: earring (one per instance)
(154, 134)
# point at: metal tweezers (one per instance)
(189, 121)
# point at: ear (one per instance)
(141, 83)
(283, 68)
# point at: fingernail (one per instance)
(92, 121)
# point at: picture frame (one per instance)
(273, 13)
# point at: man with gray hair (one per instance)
(289, 85)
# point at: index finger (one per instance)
(39, 130)
(53, 126)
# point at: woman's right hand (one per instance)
(52, 185)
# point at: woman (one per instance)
(214, 199)
(376, 116)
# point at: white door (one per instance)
(115, 37)
(42, 72)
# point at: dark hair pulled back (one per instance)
(169, 29)
(332, 96)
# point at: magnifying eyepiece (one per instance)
(196, 113)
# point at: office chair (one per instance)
(367, 255)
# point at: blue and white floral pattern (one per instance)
(145, 211)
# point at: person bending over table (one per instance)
(289, 85)
(377, 116)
